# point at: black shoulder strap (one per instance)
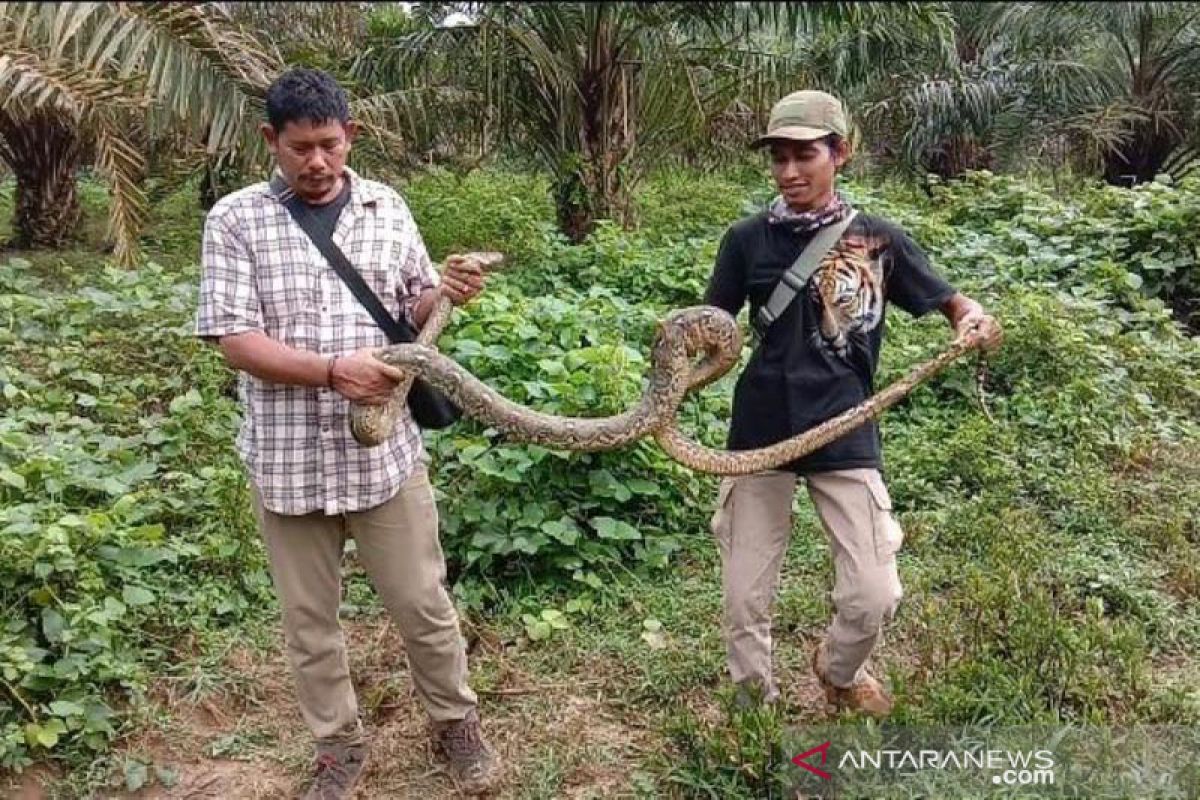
(429, 407)
(397, 331)
(793, 281)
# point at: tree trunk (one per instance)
(221, 176)
(44, 151)
(1142, 157)
(592, 182)
(572, 204)
(590, 189)
(958, 155)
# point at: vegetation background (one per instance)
(1043, 154)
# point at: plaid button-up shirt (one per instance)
(261, 272)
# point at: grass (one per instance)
(1060, 595)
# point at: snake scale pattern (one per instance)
(705, 333)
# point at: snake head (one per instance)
(703, 326)
(705, 331)
(488, 260)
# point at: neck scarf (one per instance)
(778, 213)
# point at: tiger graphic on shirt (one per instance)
(848, 292)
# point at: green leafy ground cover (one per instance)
(1052, 560)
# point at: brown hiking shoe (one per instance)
(474, 766)
(866, 695)
(336, 771)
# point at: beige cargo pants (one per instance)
(397, 544)
(753, 524)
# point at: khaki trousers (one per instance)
(753, 524)
(397, 544)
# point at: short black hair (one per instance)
(305, 93)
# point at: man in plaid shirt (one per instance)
(303, 345)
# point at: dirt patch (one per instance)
(565, 730)
(247, 740)
(30, 784)
(215, 779)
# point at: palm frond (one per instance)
(248, 61)
(159, 68)
(122, 163)
(206, 70)
(28, 77)
(334, 29)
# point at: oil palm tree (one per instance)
(93, 83)
(599, 92)
(1149, 57)
(990, 94)
(105, 84)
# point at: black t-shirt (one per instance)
(797, 376)
(327, 213)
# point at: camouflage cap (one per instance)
(804, 116)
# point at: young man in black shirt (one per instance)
(816, 359)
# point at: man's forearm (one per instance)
(961, 310)
(263, 357)
(960, 306)
(424, 306)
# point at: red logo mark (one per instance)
(799, 761)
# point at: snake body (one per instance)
(372, 424)
(704, 332)
(744, 462)
(683, 334)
